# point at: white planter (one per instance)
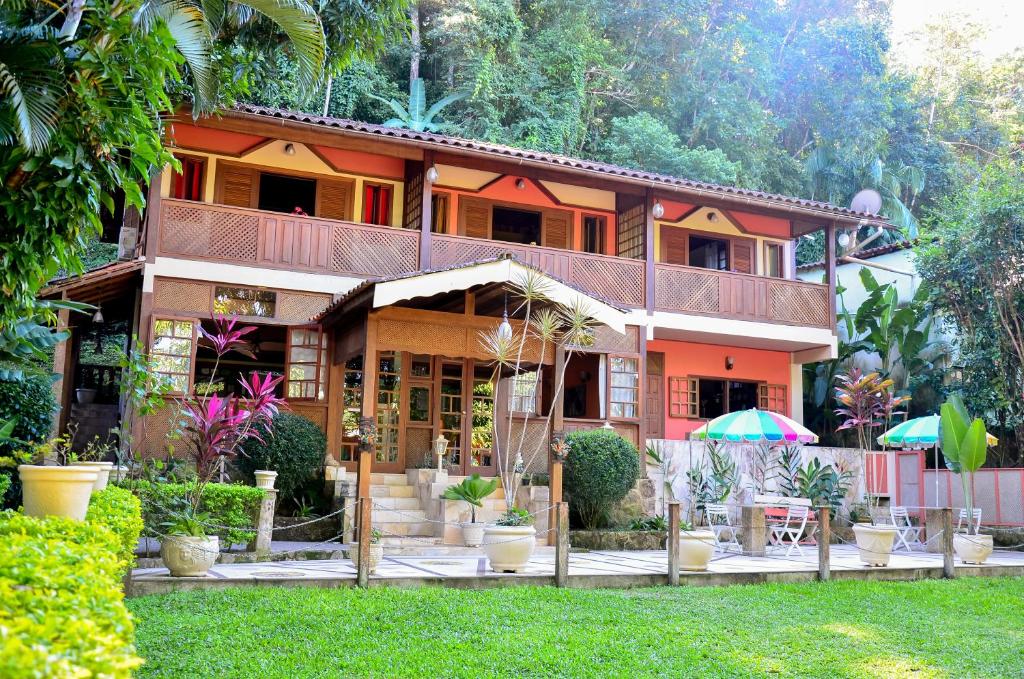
(696, 548)
(265, 479)
(56, 491)
(472, 534)
(189, 557)
(874, 543)
(104, 469)
(972, 548)
(376, 554)
(508, 548)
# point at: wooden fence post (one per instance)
(365, 527)
(948, 567)
(672, 543)
(824, 540)
(562, 544)
(555, 498)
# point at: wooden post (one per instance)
(555, 489)
(365, 514)
(562, 545)
(948, 567)
(830, 269)
(425, 211)
(672, 543)
(649, 254)
(265, 523)
(824, 540)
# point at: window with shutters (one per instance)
(334, 198)
(377, 204)
(708, 253)
(594, 229)
(174, 350)
(557, 229)
(773, 260)
(742, 256)
(307, 363)
(774, 398)
(682, 397)
(188, 184)
(236, 186)
(624, 395)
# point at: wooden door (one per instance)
(474, 217)
(390, 404)
(742, 258)
(556, 229)
(673, 245)
(654, 396)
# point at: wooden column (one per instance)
(557, 424)
(365, 512)
(824, 540)
(672, 543)
(425, 212)
(64, 362)
(561, 533)
(649, 201)
(830, 269)
(366, 452)
(948, 567)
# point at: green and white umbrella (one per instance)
(755, 427)
(919, 433)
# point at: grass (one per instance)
(970, 627)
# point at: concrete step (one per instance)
(393, 502)
(392, 490)
(410, 528)
(381, 479)
(398, 515)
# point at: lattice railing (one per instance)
(209, 231)
(376, 251)
(619, 280)
(686, 289)
(799, 303)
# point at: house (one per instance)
(369, 257)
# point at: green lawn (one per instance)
(963, 628)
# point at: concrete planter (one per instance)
(376, 554)
(874, 543)
(972, 548)
(265, 479)
(189, 557)
(472, 534)
(57, 491)
(696, 548)
(509, 548)
(104, 469)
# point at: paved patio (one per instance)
(586, 569)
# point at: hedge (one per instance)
(233, 508)
(294, 448)
(600, 470)
(62, 611)
(120, 511)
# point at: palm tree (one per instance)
(416, 116)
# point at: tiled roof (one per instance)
(511, 152)
(863, 254)
(101, 273)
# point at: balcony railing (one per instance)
(298, 243)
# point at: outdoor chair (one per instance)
(975, 520)
(907, 534)
(718, 519)
(792, 529)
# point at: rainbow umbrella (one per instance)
(754, 427)
(919, 433)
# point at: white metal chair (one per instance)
(975, 520)
(719, 521)
(907, 534)
(792, 529)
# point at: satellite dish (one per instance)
(867, 200)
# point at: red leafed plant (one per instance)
(225, 338)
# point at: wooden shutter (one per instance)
(742, 257)
(773, 397)
(556, 229)
(334, 198)
(238, 186)
(474, 218)
(682, 397)
(673, 245)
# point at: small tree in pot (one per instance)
(473, 490)
(965, 446)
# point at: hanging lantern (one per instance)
(432, 174)
(658, 210)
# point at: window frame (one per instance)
(321, 369)
(780, 258)
(538, 390)
(602, 233)
(203, 165)
(190, 376)
(439, 225)
(638, 389)
(213, 301)
(377, 186)
(690, 385)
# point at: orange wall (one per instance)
(763, 226)
(684, 359)
(359, 162)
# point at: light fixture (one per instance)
(658, 210)
(289, 149)
(98, 316)
(505, 329)
(432, 174)
(844, 238)
(520, 183)
(440, 446)
(729, 362)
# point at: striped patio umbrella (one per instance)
(754, 427)
(919, 433)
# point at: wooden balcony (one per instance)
(282, 241)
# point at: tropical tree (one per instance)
(964, 446)
(414, 115)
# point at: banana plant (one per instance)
(416, 116)
(473, 490)
(965, 446)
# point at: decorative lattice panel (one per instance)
(607, 341)
(535, 442)
(629, 231)
(375, 252)
(418, 448)
(1011, 500)
(679, 289)
(315, 414)
(209, 231)
(618, 280)
(154, 440)
(799, 304)
(413, 201)
(182, 296)
(293, 306)
(446, 252)
(422, 338)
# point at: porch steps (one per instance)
(397, 510)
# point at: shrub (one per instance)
(31, 400)
(600, 469)
(233, 508)
(294, 448)
(62, 611)
(120, 511)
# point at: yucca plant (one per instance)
(473, 491)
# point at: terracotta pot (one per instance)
(265, 479)
(376, 554)
(189, 557)
(972, 548)
(104, 469)
(874, 543)
(509, 548)
(472, 534)
(696, 548)
(56, 491)
(85, 396)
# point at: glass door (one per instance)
(481, 424)
(452, 412)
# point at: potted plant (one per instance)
(867, 402)
(708, 483)
(376, 551)
(186, 549)
(85, 395)
(696, 547)
(94, 456)
(965, 446)
(509, 542)
(265, 478)
(473, 490)
(61, 489)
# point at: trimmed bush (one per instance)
(294, 448)
(233, 508)
(120, 511)
(600, 470)
(62, 610)
(31, 400)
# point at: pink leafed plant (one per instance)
(226, 338)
